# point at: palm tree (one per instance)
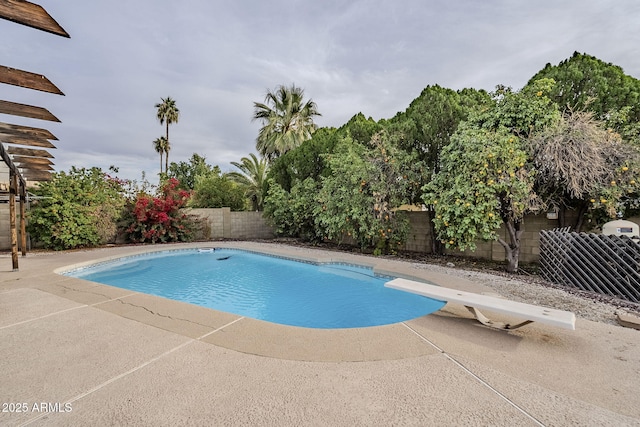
(253, 178)
(159, 145)
(167, 113)
(287, 121)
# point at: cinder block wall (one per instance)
(224, 224)
(530, 240)
(250, 225)
(419, 236)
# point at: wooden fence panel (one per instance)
(609, 265)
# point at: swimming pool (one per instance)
(264, 287)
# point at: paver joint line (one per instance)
(42, 317)
(61, 311)
(475, 376)
(132, 370)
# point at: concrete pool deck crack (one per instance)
(475, 376)
(83, 291)
(109, 299)
(151, 311)
(166, 316)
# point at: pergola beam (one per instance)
(31, 15)
(37, 175)
(32, 152)
(31, 160)
(37, 167)
(30, 142)
(26, 79)
(24, 110)
(25, 131)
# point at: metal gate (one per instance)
(609, 265)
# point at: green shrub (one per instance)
(216, 191)
(75, 209)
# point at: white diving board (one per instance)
(475, 302)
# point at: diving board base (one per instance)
(490, 323)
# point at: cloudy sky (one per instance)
(215, 58)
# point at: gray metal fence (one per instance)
(608, 265)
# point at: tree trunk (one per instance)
(562, 217)
(166, 153)
(582, 211)
(512, 248)
(436, 247)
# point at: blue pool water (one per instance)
(264, 287)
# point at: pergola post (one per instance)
(23, 220)
(13, 190)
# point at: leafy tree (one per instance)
(484, 179)
(427, 125)
(287, 121)
(291, 213)
(522, 113)
(167, 112)
(359, 198)
(432, 118)
(623, 121)
(278, 212)
(160, 145)
(187, 172)
(582, 165)
(361, 129)
(214, 190)
(253, 179)
(586, 83)
(159, 219)
(306, 161)
(78, 208)
(483, 183)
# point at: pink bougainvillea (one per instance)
(159, 219)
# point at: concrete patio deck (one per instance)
(74, 352)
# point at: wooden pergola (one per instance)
(25, 164)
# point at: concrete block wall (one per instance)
(419, 236)
(224, 224)
(218, 222)
(249, 225)
(529, 243)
